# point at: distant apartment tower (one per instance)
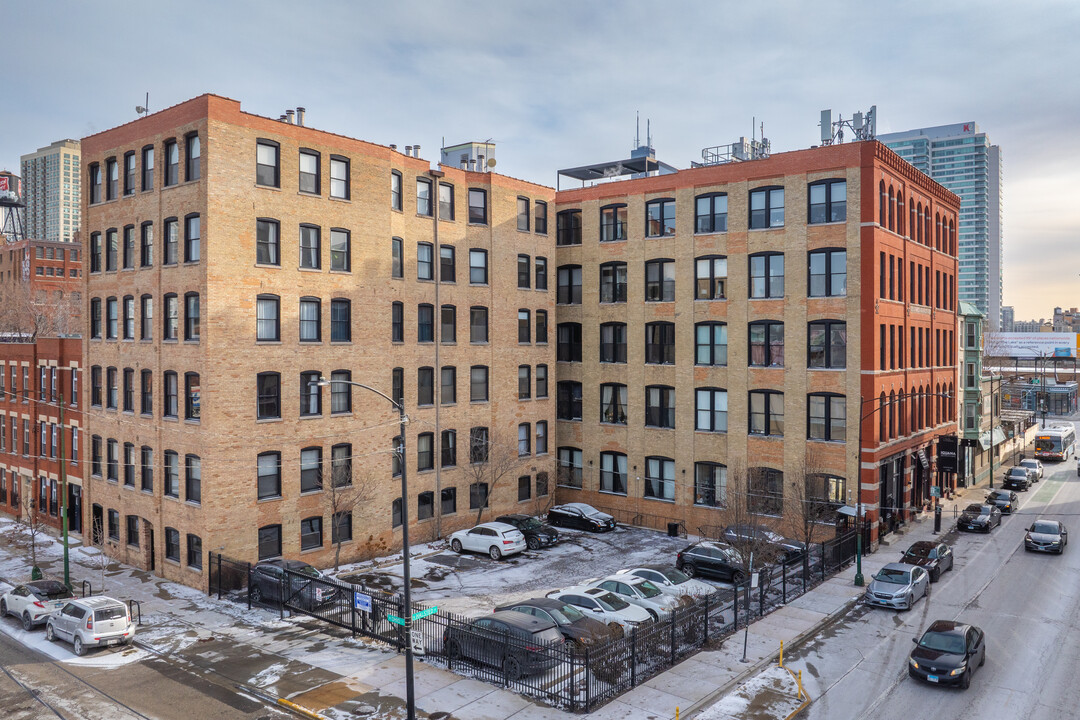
(51, 183)
(961, 157)
(1008, 318)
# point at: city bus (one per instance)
(1055, 443)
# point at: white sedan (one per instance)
(35, 601)
(638, 591)
(671, 580)
(599, 604)
(494, 538)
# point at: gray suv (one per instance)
(91, 622)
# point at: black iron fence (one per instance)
(574, 677)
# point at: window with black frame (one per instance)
(828, 201)
(710, 213)
(828, 273)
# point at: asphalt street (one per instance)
(1028, 604)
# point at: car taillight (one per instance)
(38, 603)
(508, 542)
(90, 623)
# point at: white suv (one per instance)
(91, 622)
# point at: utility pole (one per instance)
(64, 495)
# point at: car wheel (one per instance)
(27, 623)
(455, 545)
(965, 680)
(512, 668)
(494, 552)
(77, 646)
(50, 634)
(927, 593)
(533, 543)
(982, 660)
(689, 569)
(653, 615)
(935, 575)
(737, 577)
(452, 649)
(616, 629)
(256, 594)
(910, 601)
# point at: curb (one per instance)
(806, 702)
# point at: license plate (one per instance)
(114, 642)
(932, 678)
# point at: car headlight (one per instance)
(1055, 542)
(913, 663)
(958, 671)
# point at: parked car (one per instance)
(1034, 465)
(91, 622)
(898, 586)
(947, 653)
(713, 559)
(574, 625)
(35, 601)
(537, 534)
(979, 517)
(581, 517)
(741, 534)
(268, 577)
(509, 640)
(1006, 501)
(638, 591)
(1017, 478)
(671, 580)
(1046, 536)
(934, 557)
(599, 604)
(497, 539)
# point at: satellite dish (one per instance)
(140, 109)
(491, 162)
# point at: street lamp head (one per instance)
(321, 382)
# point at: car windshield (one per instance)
(772, 537)
(899, 577)
(1018, 472)
(674, 575)
(919, 552)
(608, 601)
(305, 570)
(530, 524)
(565, 615)
(1045, 527)
(113, 612)
(647, 589)
(943, 642)
(52, 591)
(974, 509)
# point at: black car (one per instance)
(948, 653)
(711, 559)
(979, 518)
(934, 557)
(1046, 536)
(739, 535)
(513, 641)
(1017, 478)
(303, 584)
(581, 517)
(571, 622)
(1006, 501)
(537, 534)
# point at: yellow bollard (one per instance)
(781, 653)
(676, 712)
(800, 685)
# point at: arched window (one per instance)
(919, 227)
(881, 418)
(900, 212)
(892, 209)
(937, 230)
(892, 415)
(881, 203)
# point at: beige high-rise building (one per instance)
(51, 185)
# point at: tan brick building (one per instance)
(233, 260)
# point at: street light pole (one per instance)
(64, 495)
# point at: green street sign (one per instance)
(395, 619)
(425, 613)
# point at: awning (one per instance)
(997, 436)
(847, 510)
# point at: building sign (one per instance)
(947, 454)
(1025, 345)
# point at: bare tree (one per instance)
(346, 491)
(810, 511)
(98, 561)
(491, 459)
(28, 527)
(34, 313)
(747, 501)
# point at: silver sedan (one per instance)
(898, 586)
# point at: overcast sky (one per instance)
(558, 84)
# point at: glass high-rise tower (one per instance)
(961, 158)
(51, 183)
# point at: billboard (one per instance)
(10, 189)
(1031, 345)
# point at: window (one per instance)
(524, 439)
(660, 281)
(541, 326)
(425, 323)
(477, 206)
(340, 392)
(524, 382)
(569, 467)
(128, 254)
(310, 469)
(541, 381)
(710, 213)
(192, 157)
(478, 324)
(448, 387)
(95, 318)
(524, 272)
(447, 264)
(95, 183)
(310, 394)
(446, 201)
(524, 488)
(425, 505)
(448, 454)
(569, 342)
(193, 478)
(765, 491)
(341, 527)
(95, 252)
(340, 250)
(309, 247)
(194, 552)
(146, 392)
(827, 340)
(613, 343)
(146, 469)
(110, 249)
(710, 343)
(267, 168)
(478, 383)
(479, 446)
(767, 344)
(660, 343)
(397, 391)
(171, 391)
(828, 273)
(540, 217)
(568, 227)
(133, 530)
(710, 276)
(767, 208)
(129, 390)
(269, 542)
(112, 179)
(310, 319)
(660, 217)
(711, 410)
(613, 403)
(659, 478)
(613, 282)
(110, 318)
(478, 496)
(568, 400)
(267, 318)
(613, 223)
(767, 275)
(425, 386)
(541, 440)
(423, 197)
(613, 473)
(191, 317)
(171, 249)
(340, 320)
(449, 501)
(172, 544)
(523, 214)
(339, 177)
(172, 163)
(828, 202)
(540, 266)
(268, 476)
(425, 262)
(395, 190)
(146, 240)
(478, 268)
(569, 285)
(341, 457)
(766, 412)
(311, 536)
(660, 406)
(147, 168)
(128, 330)
(710, 484)
(172, 474)
(397, 322)
(827, 415)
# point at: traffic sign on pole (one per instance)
(395, 619)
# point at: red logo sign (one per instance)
(4, 182)
(967, 127)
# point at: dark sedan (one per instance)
(1018, 478)
(303, 584)
(1006, 500)
(979, 518)
(742, 535)
(712, 559)
(571, 622)
(581, 517)
(537, 534)
(1046, 536)
(947, 654)
(934, 557)
(515, 642)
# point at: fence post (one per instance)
(281, 599)
(735, 610)
(823, 561)
(588, 682)
(249, 585)
(783, 582)
(761, 596)
(706, 642)
(673, 613)
(633, 657)
(806, 566)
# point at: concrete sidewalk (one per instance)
(332, 674)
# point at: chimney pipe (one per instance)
(393, 147)
(289, 116)
(408, 149)
(282, 118)
(480, 163)
(416, 150)
(472, 165)
(300, 115)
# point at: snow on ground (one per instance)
(769, 695)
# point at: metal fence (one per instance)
(573, 677)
